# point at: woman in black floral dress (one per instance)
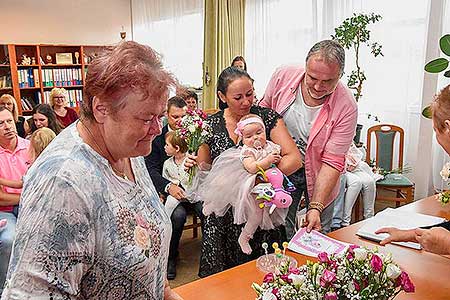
(220, 248)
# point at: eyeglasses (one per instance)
(59, 97)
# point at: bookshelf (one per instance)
(30, 72)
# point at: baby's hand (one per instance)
(274, 157)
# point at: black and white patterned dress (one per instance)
(220, 247)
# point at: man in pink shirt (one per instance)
(320, 114)
(13, 165)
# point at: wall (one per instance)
(64, 22)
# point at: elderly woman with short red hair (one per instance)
(91, 223)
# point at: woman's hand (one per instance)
(435, 240)
(312, 221)
(396, 235)
(169, 294)
(190, 161)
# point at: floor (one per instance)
(188, 261)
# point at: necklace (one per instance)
(121, 174)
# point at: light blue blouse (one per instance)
(85, 233)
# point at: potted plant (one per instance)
(438, 65)
(353, 33)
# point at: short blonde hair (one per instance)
(58, 92)
(440, 108)
(15, 111)
(39, 141)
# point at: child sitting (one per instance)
(39, 140)
(359, 177)
(231, 182)
(173, 168)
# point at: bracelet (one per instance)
(316, 205)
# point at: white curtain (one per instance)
(440, 157)
(175, 29)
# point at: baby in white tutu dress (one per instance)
(231, 179)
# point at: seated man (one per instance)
(176, 109)
(13, 165)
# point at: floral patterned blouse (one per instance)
(85, 233)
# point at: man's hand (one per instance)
(176, 192)
(435, 240)
(312, 221)
(396, 235)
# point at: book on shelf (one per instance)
(5, 81)
(61, 77)
(391, 217)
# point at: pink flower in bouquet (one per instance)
(350, 252)
(285, 278)
(356, 285)
(327, 278)
(269, 277)
(323, 257)
(406, 283)
(330, 296)
(294, 271)
(376, 263)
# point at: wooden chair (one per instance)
(196, 223)
(385, 137)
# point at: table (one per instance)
(429, 272)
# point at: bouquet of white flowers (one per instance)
(444, 196)
(194, 129)
(359, 273)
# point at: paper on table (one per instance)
(313, 243)
(391, 217)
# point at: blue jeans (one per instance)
(338, 212)
(6, 241)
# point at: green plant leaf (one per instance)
(426, 112)
(447, 74)
(444, 43)
(437, 65)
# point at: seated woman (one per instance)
(437, 238)
(359, 178)
(220, 247)
(21, 125)
(58, 101)
(191, 99)
(44, 116)
(239, 62)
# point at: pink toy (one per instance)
(272, 192)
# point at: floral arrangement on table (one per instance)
(444, 196)
(194, 130)
(358, 273)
